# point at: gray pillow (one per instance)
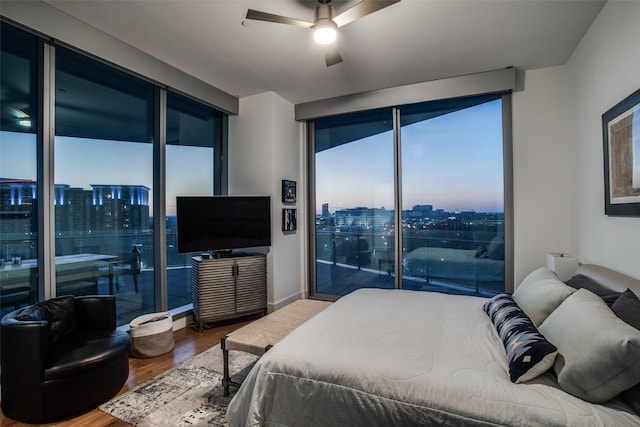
(598, 353)
(627, 307)
(540, 293)
(580, 281)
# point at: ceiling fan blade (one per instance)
(269, 17)
(364, 8)
(332, 55)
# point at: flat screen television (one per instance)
(222, 223)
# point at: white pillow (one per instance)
(540, 293)
(598, 353)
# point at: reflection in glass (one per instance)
(103, 184)
(18, 166)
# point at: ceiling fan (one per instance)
(326, 22)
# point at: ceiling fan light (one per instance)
(324, 35)
(325, 32)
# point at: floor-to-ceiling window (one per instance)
(354, 182)
(103, 183)
(78, 187)
(453, 195)
(18, 167)
(410, 197)
(194, 134)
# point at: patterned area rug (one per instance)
(188, 395)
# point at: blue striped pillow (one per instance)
(529, 354)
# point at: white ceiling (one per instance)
(408, 42)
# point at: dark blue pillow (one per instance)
(529, 354)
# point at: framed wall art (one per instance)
(288, 191)
(621, 143)
(289, 220)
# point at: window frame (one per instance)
(45, 134)
(507, 188)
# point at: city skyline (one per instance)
(435, 209)
(359, 173)
(83, 162)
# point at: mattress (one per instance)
(399, 358)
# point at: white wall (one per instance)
(557, 157)
(541, 178)
(604, 69)
(264, 149)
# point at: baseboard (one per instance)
(182, 320)
(283, 302)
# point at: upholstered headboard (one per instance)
(610, 278)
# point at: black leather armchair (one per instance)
(61, 357)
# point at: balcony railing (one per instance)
(449, 258)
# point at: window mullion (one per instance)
(45, 171)
(397, 150)
(159, 197)
(507, 138)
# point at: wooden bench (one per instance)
(259, 336)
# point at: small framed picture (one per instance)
(289, 220)
(288, 191)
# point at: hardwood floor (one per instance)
(188, 343)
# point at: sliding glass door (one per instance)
(354, 179)
(436, 177)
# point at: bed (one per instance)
(398, 358)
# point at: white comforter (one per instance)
(402, 358)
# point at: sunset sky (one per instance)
(453, 162)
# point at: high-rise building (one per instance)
(104, 208)
(325, 211)
(18, 217)
(119, 207)
(72, 208)
(426, 210)
(18, 205)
